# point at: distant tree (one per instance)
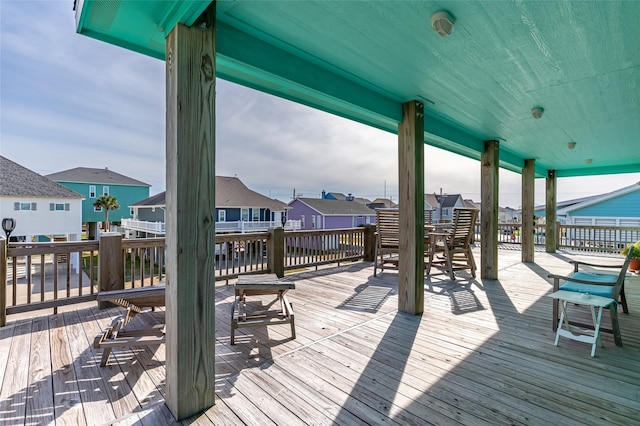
(107, 203)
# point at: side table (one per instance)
(264, 284)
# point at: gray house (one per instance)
(238, 209)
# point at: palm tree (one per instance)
(106, 202)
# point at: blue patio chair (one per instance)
(596, 284)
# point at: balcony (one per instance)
(482, 353)
(157, 228)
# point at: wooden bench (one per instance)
(135, 300)
(252, 285)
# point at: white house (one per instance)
(41, 208)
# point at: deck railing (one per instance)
(48, 275)
(319, 247)
(587, 238)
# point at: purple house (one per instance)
(314, 213)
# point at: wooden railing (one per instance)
(599, 239)
(48, 275)
(314, 248)
(588, 238)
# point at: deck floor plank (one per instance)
(13, 395)
(40, 386)
(66, 395)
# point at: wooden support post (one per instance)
(190, 216)
(551, 229)
(275, 252)
(411, 201)
(489, 214)
(369, 243)
(110, 264)
(3, 282)
(528, 207)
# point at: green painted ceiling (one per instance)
(579, 60)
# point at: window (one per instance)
(105, 190)
(92, 191)
(59, 207)
(313, 222)
(256, 215)
(302, 221)
(222, 215)
(245, 215)
(97, 209)
(25, 206)
(319, 222)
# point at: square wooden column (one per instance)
(551, 229)
(190, 216)
(528, 207)
(489, 214)
(411, 201)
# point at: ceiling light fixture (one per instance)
(571, 145)
(537, 112)
(442, 22)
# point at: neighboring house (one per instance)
(238, 209)
(509, 215)
(446, 203)
(341, 196)
(382, 203)
(616, 208)
(92, 183)
(317, 213)
(42, 209)
(430, 202)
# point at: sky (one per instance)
(69, 101)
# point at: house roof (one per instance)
(448, 200)
(230, 192)
(384, 202)
(158, 200)
(431, 200)
(18, 181)
(599, 198)
(99, 176)
(471, 204)
(336, 207)
(577, 60)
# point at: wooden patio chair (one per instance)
(388, 237)
(597, 284)
(135, 301)
(451, 248)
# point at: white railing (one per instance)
(143, 226)
(221, 227)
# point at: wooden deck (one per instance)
(482, 353)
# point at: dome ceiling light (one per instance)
(537, 112)
(442, 22)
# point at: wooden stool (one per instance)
(586, 336)
(250, 285)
